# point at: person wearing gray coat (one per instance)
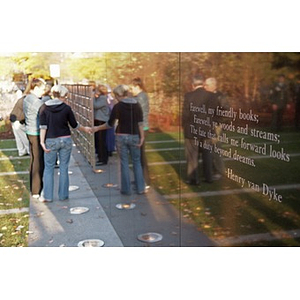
(101, 116)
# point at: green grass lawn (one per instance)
(12, 165)
(14, 230)
(234, 214)
(14, 193)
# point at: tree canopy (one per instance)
(241, 75)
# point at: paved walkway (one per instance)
(52, 224)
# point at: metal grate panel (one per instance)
(80, 99)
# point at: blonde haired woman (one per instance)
(55, 118)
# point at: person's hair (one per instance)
(59, 91)
(211, 81)
(137, 81)
(121, 90)
(27, 88)
(198, 80)
(36, 82)
(102, 89)
(47, 90)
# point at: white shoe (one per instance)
(36, 196)
(43, 200)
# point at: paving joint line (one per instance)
(230, 192)
(14, 173)
(9, 149)
(14, 210)
(259, 237)
(14, 158)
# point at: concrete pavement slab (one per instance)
(152, 212)
(52, 224)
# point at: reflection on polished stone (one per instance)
(109, 185)
(150, 237)
(91, 243)
(125, 206)
(98, 171)
(78, 210)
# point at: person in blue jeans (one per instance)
(55, 139)
(129, 137)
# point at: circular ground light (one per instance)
(78, 210)
(109, 185)
(125, 206)
(91, 243)
(150, 237)
(73, 188)
(98, 171)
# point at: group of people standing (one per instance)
(47, 122)
(205, 93)
(131, 114)
(41, 125)
(205, 97)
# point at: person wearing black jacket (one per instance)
(196, 124)
(297, 102)
(129, 137)
(221, 101)
(101, 115)
(279, 97)
(55, 139)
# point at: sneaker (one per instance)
(43, 200)
(25, 154)
(36, 196)
(143, 192)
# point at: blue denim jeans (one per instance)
(62, 147)
(127, 145)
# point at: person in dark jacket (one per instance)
(222, 103)
(279, 97)
(110, 133)
(129, 137)
(196, 125)
(55, 136)
(297, 102)
(101, 115)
